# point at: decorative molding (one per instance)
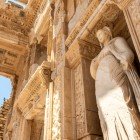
(80, 49)
(32, 98)
(17, 19)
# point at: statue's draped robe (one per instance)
(116, 104)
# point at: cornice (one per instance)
(31, 98)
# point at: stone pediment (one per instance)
(32, 98)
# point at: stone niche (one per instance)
(85, 120)
(114, 18)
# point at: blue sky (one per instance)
(5, 88)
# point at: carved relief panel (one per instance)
(59, 31)
(59, 15)
(56, 119)
(79, 102)
(9, 59)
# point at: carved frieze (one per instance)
(17, 19)
(32, 98)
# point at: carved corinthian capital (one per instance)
(80, 49)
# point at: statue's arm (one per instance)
(122, 52)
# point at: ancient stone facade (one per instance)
(3, 116)
(46, 49)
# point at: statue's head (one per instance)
(104, 34)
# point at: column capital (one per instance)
(81, 49)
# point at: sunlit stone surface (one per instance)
(46, 49)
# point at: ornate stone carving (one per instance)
(34, 92)
(56, 123)
(4, 109)
(59, 48)
(79, 103)
(59, 17)
(19, 20)
(80, 49)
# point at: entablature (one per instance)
(32, 98)
(11, 56)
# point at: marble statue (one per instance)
(116, 83)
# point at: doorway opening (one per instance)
(5, 89)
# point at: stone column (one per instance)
(91, 112)
(66, 100)
(60, 121)
(87, 125)
(48, 113)
(26, 130)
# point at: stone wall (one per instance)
(4, 110)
